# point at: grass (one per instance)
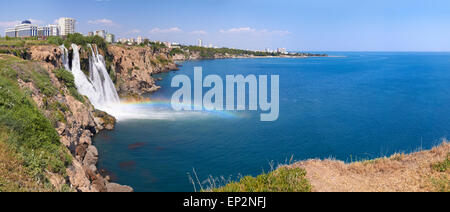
(442, 182)
(69, 80)
(29, 133)
(20, 42)
(281, 180)
(442, 166)
(14, 177)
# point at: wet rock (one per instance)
(78, 178)
(114, 187)
(81, 150)
(91, 157)
(85, 137)
(136, 145)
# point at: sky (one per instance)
(319, 25)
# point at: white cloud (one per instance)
(254, 31)
(135, 31)
(8, 23)
(198, 32)
(37, 22)
(237, 30)
(104, 22)
(275, 32)
(13, 23)
(170, 30)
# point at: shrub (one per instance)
(442, 166)
(55, 40)
(280, 180)
(69, 80)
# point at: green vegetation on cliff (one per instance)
(280, 180)
(69, 80)
(25, 131)
(211, 53)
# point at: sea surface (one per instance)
(360, 106)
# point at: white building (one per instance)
(54, 30)
(200, 42)
(43, 31)
(24, 29)
(139, 40)
(110, 38)
(101, 33)
(67, 26)
(27, 29)
(282, 50)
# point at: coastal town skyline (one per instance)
(255, 25)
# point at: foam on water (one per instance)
(101, 92)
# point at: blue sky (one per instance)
(319, 25)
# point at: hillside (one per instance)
(46, 126)
(424, 171)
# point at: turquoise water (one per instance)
(361, 106)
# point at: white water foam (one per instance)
(101, 92)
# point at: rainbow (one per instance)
(165, 104)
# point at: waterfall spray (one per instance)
(101, 92)
(100, 78)
(98, 87)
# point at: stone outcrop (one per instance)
(134, 67)
(46, 53)
(114, 187)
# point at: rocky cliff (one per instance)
(133, 68)
(76, 122)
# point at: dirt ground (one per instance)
(398, 173)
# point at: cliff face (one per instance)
(76, 122)
(133, 68)
(196, 55)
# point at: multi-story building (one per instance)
(54, 30)
(90, 34)
(25, 29)
(11, 33)
(168, 44)
(200, 42)
(139, 40)
(43, 31)
(101, 33)
(110, 38)
(282, 50)
(67, 26)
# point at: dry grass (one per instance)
(398, 173)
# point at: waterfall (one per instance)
(100, 78)
(65, 57)
(98, 87)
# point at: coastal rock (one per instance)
(104, 120)
(114, 187)
(78, 178)
(85, 137)
(91, 156)
(134, 67)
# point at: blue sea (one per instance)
(360, 106)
